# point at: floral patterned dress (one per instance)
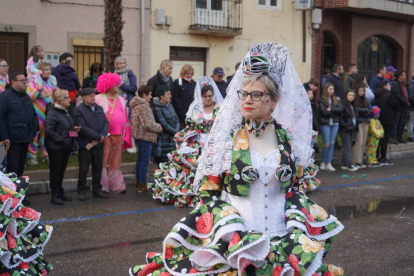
(173, 181)
(22, 237)
(214, 239)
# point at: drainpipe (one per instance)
(319, 56)
(142, 69)
(410, 51)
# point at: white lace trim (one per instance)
(312, 223)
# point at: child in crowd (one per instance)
(375, 133)
(36, 58)
(348, 125)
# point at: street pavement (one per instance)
(107, 236)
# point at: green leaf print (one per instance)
(243, 190)
(235, 155)
(203, 209)
(216, 211)
(297, 250)
(16, 273)
(156, 273)
(306, 257)
(331, 226)
(254, 237)
(245, 157)
(233, 169)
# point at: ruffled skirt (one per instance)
(22, 237)
(213, 240)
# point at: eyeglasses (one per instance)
(207, 97)
(66, 97)
(5, 66)
(254, 95)
(23, 80)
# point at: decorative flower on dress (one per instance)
(318, 213)
(250, 174)
(283, 172)
(335, 271)
(256, 64)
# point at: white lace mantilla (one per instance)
(292, 111)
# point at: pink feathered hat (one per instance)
(106, 81)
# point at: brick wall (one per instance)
(331, 3)
(350, 30)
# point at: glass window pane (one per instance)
(217, 5)
(273, 3)
(262, 2)
(201, 4)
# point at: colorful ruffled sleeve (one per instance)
(33, 88)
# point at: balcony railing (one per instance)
(216, 17)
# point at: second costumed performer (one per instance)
(173, 182)
(253, 218)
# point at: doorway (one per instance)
(372, 52)
(196, 57)
(329, 49)
(14, 49)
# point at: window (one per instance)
(270, 4)
(212, 12)
(215, 5)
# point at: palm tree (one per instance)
(113, 41)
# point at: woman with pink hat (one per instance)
(119, 136)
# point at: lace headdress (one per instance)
(197, 104)
(293, 110)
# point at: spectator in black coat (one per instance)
(410, 89)
(94, 128)
(388, 105)
(165, 115)
(67, 79)
(363, 110)
(18, 122)
(335, 79)
(163, 77)
(229, 78)
(91, 76)
(60, 133)
(183, 92)
(400, 94)
(218, 76)
(348, 125)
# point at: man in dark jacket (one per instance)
(183, 92)
(348, 77)
(67, 79)
(335, 79)
(218, 76)
(410, 90)
(400, 94)
(377, 78)
(163, 77)
(94, 128)
(18, 122)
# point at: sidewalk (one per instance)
(39, 180)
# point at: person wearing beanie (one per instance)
(119, 133)
(375, 133)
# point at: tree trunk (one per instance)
(113, 41)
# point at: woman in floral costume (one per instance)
(22, 238)
(174, 180)
(253, 218)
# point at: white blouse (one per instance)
(204, 136)
(263, 209)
